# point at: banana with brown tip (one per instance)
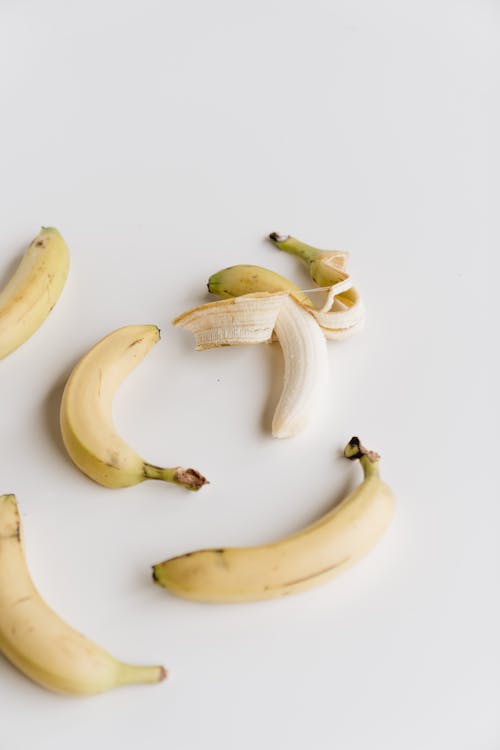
(307, 558)
(87, 426)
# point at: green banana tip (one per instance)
(354, 450)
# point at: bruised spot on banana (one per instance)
(298, 562)
(259, 305)
(33, 290)
(86, 418)
(34, 638)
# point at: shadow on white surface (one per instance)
(50, 413)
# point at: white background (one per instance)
(165, 140)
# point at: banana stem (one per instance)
(313, 258)
(132, 675)
(191, 479)
(369, 460)
(295, 247)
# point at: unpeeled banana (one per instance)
(309, 557)
(33, 290)
(86, 418)
(38, 642)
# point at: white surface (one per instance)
(165, 140)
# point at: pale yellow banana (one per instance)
(86, 418)
(301, 329)
(307, 558)
(33, 290)
(37, 641)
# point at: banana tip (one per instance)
(163, 674)
(354, 449)
(277, 237)
(190, 478)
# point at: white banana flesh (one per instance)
(38, 642)
(86, 416)
(305, 369)
(298, 562)
(33, 290)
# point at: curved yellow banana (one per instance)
(33, 290)
(37, 641)
(86, 416)
(307, 558)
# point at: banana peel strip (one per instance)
(251, 318)
(339, 321)
(336, 259)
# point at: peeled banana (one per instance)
(33, 290)
(270, 306)
(307, 558)
(301, 328)
(86, 416)
(252, 319)
(37, 641)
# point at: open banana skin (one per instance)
(258, 305)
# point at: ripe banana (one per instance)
(86, 417)
(307, 558)
(37, 641)
(33, 290)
